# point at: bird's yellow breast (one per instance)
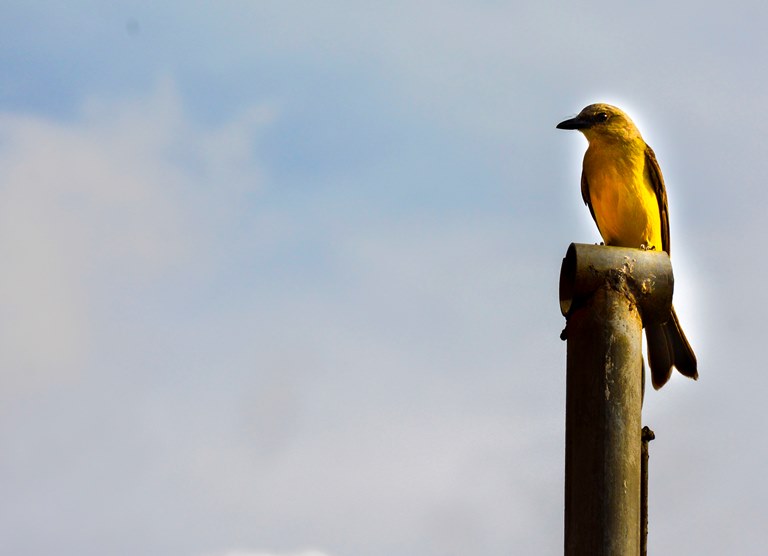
(623, 199)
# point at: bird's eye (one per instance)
(601, 116)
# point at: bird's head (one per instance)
(603, 121)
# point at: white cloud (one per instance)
(125, 193)
(309, 552)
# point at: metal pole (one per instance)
(646, 436)
(603, 292)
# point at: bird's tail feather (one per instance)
(668, 347)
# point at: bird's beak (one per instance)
(573, 123)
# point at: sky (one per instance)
(280, 277)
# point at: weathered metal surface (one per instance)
(645, 275)
(604, 291)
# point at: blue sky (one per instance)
(280, 278)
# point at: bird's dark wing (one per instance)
(586, 197)
(657, 181)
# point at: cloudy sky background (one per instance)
(280, 277)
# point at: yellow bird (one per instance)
(621, 183)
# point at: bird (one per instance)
(622, 185)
